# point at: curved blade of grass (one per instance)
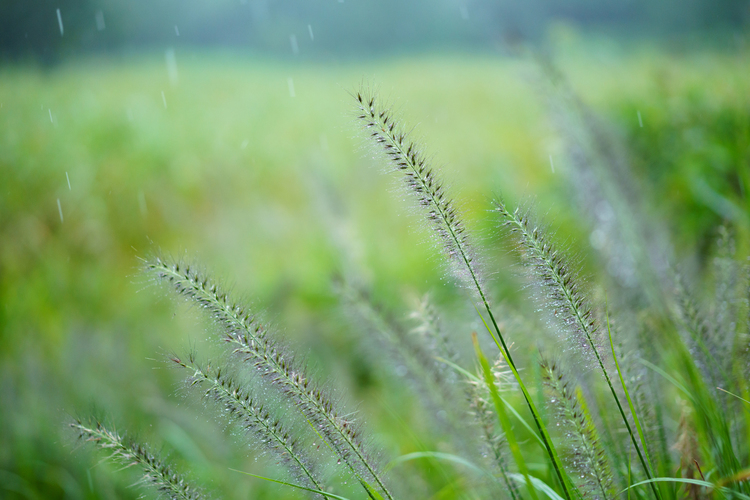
(502, 416)
(627, 396)
(549, 447)
(448, 457)
(292, 485)
(515, 413)
(668, 377)
(735, 395)
(726, 491)
(538, 484)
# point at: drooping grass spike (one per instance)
(249, 339)
(156, 473)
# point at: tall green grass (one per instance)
(463, 450)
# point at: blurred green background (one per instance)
(236, 146)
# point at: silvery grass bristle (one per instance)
(430, 328)
(406, 350)
(248, 338)
(254, 418)
(698, 338)
(408, 158)
(156, 473)
(560, 285)
(567, 302)
(587, 457)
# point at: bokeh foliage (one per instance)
(268, 191)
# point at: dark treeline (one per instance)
(340, 28)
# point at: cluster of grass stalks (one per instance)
(642, 394)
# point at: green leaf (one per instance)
(298, 486)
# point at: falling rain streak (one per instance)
(59, 21)
(309, 30)
(66, 176)
(293, 42)
(290, 83)
(59, 209)
(640, 120)
(551, 164)
(171, 68)
(164, 99)
(50, 116)
(100, 20)
(176, 30)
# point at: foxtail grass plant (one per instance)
(601, 419)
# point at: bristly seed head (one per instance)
(407, 157)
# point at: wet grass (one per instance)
(268, 191)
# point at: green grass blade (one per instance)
(502, 416)
(291, 485)
(725, 491)
(549, 447)
(538, 484)
(448, 457)
(515, 413)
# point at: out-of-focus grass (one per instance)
(268, 191)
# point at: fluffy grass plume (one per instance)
(408, 159)
(249, 339)
(253, 417)
(587, 456)
(156, 473)
(564, 297)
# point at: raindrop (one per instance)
(244, 144)
(59, 21)
(176, 30)
(552, 164)
(59, 209)
(290, 83)
(100, 20)
(50, 116)
(640, 120)
(309, 30)
(164, 99)
(293, 42)
(171, 67)
(66, 176)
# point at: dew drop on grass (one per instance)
(59, 22)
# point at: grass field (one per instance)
(258, 170)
